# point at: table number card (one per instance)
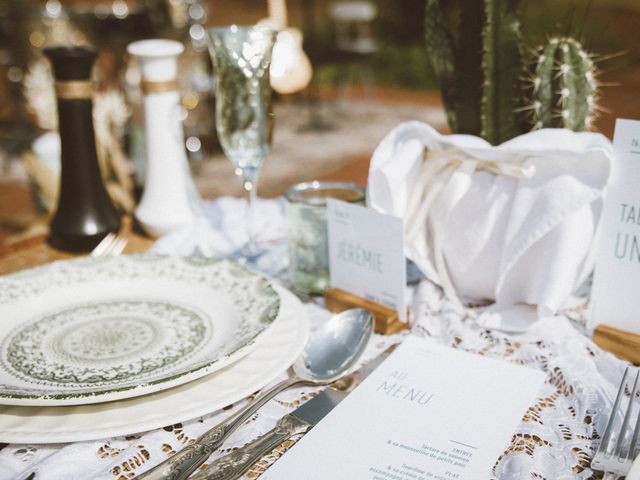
(366, 254)
(428, 412)
(614, 298)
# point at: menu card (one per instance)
(614, 297)
(428, 412)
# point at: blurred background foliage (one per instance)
(606, 27)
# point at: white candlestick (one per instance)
(169, 200)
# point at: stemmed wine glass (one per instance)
(244, 119)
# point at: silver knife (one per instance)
(301, 420)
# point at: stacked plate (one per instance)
(101, 347)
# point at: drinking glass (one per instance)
(241, 58)
(308, 238)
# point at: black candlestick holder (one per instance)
(84, 214)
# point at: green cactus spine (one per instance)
(502, 63)
(563, 86)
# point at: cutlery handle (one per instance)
(180, 465)
(186, 461)
(233, 465)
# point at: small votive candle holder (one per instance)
(306, 208)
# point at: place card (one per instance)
(428, 412)
(614, 297)
(366, 254)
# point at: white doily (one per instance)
(556, 439)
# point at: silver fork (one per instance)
(615, 454)
(111, 245)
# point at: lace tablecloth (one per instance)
(555, 440)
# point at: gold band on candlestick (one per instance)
(149, 88)
(74, 90)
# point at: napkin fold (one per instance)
(513, 224)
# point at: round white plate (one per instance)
(273, 354)
(100, 329)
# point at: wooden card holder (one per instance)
(386, 319)
(621, 343)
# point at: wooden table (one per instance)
(35, 251)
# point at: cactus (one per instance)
(563, 90)
(453, 31)
(474, 50)
(482, 88)
(502, 64)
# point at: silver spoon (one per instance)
(331, 353)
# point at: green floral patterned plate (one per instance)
(99, 329)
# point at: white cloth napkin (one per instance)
(514, 224)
